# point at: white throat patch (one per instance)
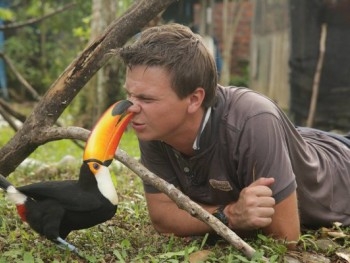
(105, 185)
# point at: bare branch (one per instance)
(7, 118)
(73, 79)
(36, 20)
(185, 203)
(59, 133)
(7, 107)
(50, 134)
(38, 129)
(18, 75)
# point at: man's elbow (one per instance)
(160, 226)
(166, 228)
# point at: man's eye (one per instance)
(147, 100)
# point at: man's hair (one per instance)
(179, 51)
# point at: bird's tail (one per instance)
(13, 195)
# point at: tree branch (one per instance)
(8, 118)
(185, 203)
(73, 79)
(59, 133)
(18, 75)
(36, 20)
(7, 107)
(37, 128)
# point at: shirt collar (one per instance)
(204, 122)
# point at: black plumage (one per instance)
(55, 208)
(53, 214)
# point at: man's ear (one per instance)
(196, 100)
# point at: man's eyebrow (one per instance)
(145, 97)
(141, 96)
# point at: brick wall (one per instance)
(241, 44)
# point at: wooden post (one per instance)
(317, 77)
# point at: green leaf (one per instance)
(28, 258)
(119, 256)
(181, 253)
(6, 14)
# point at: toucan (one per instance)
(55, 208)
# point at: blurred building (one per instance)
(279, 42)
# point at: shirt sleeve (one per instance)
(264, 153)
(155, 157)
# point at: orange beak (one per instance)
(105, 136)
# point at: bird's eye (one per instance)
(96, 166)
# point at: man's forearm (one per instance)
(180, 223)
(168, 218)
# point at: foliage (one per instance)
(240, 80)
(5, 134)
(43, 50)
(6, 14)
(123, 5)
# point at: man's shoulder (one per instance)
(240, 104)
(238, 97)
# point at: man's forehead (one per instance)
(141, 91)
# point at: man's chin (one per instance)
(145, 137)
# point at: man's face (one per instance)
(159, 113)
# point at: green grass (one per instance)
(129, 235)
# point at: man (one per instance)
(230, 149)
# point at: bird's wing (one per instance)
(67, 193)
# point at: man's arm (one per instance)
(168, 218)
(255, 209)
(285, 223)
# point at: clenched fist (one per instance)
(254, 208)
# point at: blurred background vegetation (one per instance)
(41, 51)
(269, 46)
(43, 38)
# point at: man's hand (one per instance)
(254, 208)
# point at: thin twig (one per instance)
(19, 76)
(36, 20)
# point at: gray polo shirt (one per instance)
(246, 137)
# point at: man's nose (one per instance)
(135, 107)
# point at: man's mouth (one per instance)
(137, 125)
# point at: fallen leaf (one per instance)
(336, 234)
(199, 256)
(314, 258)
(344, 254)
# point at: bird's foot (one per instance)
(66, 245)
